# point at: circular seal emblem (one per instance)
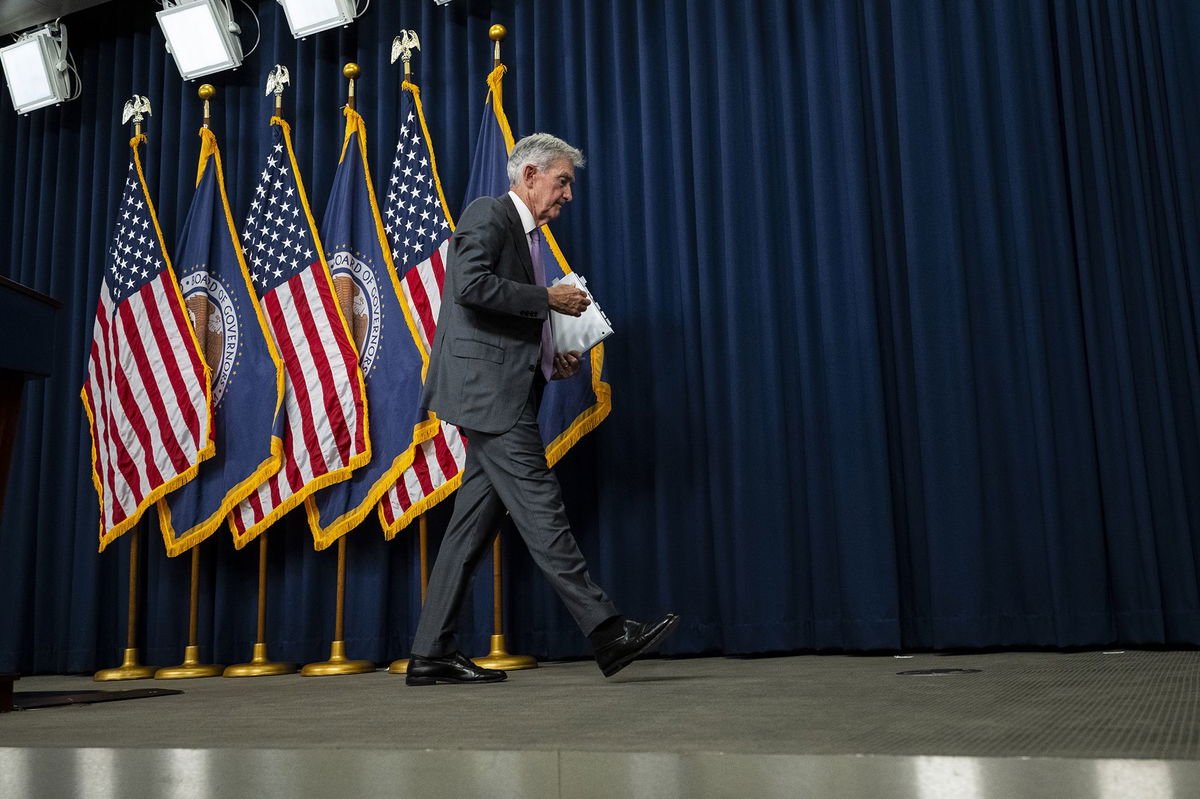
(366, 317)
(211, 307)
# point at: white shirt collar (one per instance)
(523, 212)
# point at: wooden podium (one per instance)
(27, 327)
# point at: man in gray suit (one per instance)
(492, 357)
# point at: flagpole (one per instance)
(130, 668)
(499, 657)
(260, 665)
(423, 537)
(191, 665)
(497, 33)
(338, 662)
(402, 47)
(401, 666)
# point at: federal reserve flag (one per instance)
(570, 408)
(384, 330)
(324, 402)
(146, 394)
(418, 227)
(246, 373)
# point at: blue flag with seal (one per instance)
(246, 371)
(386, 335)
(570, 408)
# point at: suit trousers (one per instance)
(502, 471)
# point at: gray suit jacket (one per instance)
(488, 341)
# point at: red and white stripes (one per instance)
(438, 462)
(146, 394)
(325, 430)
(422, 286)
(436, 466)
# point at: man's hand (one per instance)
(569, 300)
(566, 364)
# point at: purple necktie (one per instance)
(539, 274)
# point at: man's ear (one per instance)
(527, 173)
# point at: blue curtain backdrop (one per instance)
(906, 301)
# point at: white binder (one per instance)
(579, 333)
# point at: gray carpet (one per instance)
(1046, 705)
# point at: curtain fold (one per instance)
(906, 300)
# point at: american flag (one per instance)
(325, 435)
(418, 229)
(147, 393)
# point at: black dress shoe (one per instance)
(630, 642)
(456, 668)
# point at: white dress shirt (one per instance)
(526, 218)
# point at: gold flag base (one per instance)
(259, 666)
(130, 669)
(337, 664)
(399, 666)
(499, 658)
(189, 668)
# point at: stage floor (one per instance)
(1122, 724)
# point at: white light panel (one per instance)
(199, 37)
(310, 16)
(32, 74)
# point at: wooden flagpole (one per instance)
(191, 666)
(131, 668)
(499, 657)
(338, 663)
(260, 665)
(401, 666)
(402, 47)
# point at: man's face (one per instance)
(548, 190)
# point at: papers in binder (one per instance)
(579, 333)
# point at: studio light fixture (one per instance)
(38, 70)
(306, 17)
(201, 35)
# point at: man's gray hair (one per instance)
(541, 150)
